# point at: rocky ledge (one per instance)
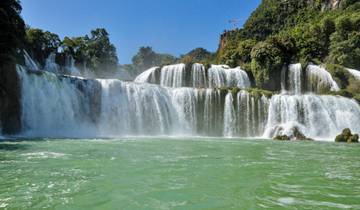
(296, 135)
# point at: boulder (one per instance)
(282, 138)
(347, 137)
(296, 135)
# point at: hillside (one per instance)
(291, 31)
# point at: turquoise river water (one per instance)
(172, 173)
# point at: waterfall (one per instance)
(252, 114)
(131, 109)
(223, 76)
(212, 118)
(245, 115)
(173, 75)
(70, 106)
(57, 106)
(283, 80)
(51, 65)
(229, 116)
(295, 76)
(198, 75)
(70, 68)
(64, 106)
(29, 62)
(321, 117)
(147, 76)
(177, 76)
(319, 80)
(355, 73)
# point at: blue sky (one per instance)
(169, 26)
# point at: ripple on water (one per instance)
(4, 202)
(286, 200)
(43, 155)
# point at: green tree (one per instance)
(12, 32)
(147, 58)
(344, 26)
(347, 52)
(197, 55)
(78, 48)
(267, 60)
(144, 59)
(41, 43)
(244, 50)
(102, 53)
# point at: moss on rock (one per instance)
(282, 138)
(257, 93)
(347, 137)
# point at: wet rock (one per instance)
(347, 137)
(300, 136)
(296, 135)
(282, 138)
(10, 96)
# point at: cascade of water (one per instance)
(283, 80)
(315, 116)
(29, 62)
(355, 73)
(295, 75)
(198, 75)
(73, 107)
(212, 119)
(131, 109)
(251, 114)
(64, 106)
(147, 76)
(229, 116)
(56, 106)
(173, 75)
(70, 66)
(319, 80)
(185, 101)
(51, 65)
(223, 76)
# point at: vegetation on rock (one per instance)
(283, 32)
(147, 58)
(296, 135)
(12, 33)
(198, 55)
(347, 137)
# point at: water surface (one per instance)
(170, 173)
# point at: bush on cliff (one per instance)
(267, 60)
(305, 31)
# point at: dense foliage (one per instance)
(147, 58)
(94, 52)
(12, 32)
(41, 43)
(197, 55)
(282, 32)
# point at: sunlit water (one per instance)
(169, 173)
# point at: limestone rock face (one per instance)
(10, 96)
